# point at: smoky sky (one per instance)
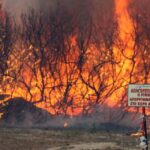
(18, 6)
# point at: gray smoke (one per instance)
(16, 7)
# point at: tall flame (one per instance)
(79, 89)
(125, 29)
(125, 24)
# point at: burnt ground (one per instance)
(63, 139)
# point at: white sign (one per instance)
(139, 95)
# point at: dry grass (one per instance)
(58, 139)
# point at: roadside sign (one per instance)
(139, 95)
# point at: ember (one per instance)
(65, 125)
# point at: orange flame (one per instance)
(125, 24)
(53, 97)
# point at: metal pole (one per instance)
(145, 126)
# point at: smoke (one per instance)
(102, 117)
(16, 7)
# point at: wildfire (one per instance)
(83, 76)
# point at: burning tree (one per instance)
(141, 37)
(73, 58)
(5, 41)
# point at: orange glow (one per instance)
(125, 29)
(125, 24)
(68, 86)
(137, 134)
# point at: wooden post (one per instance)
(145, 126)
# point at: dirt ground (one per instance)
(64, 139)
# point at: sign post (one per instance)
(145, 126)
(139, 96)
